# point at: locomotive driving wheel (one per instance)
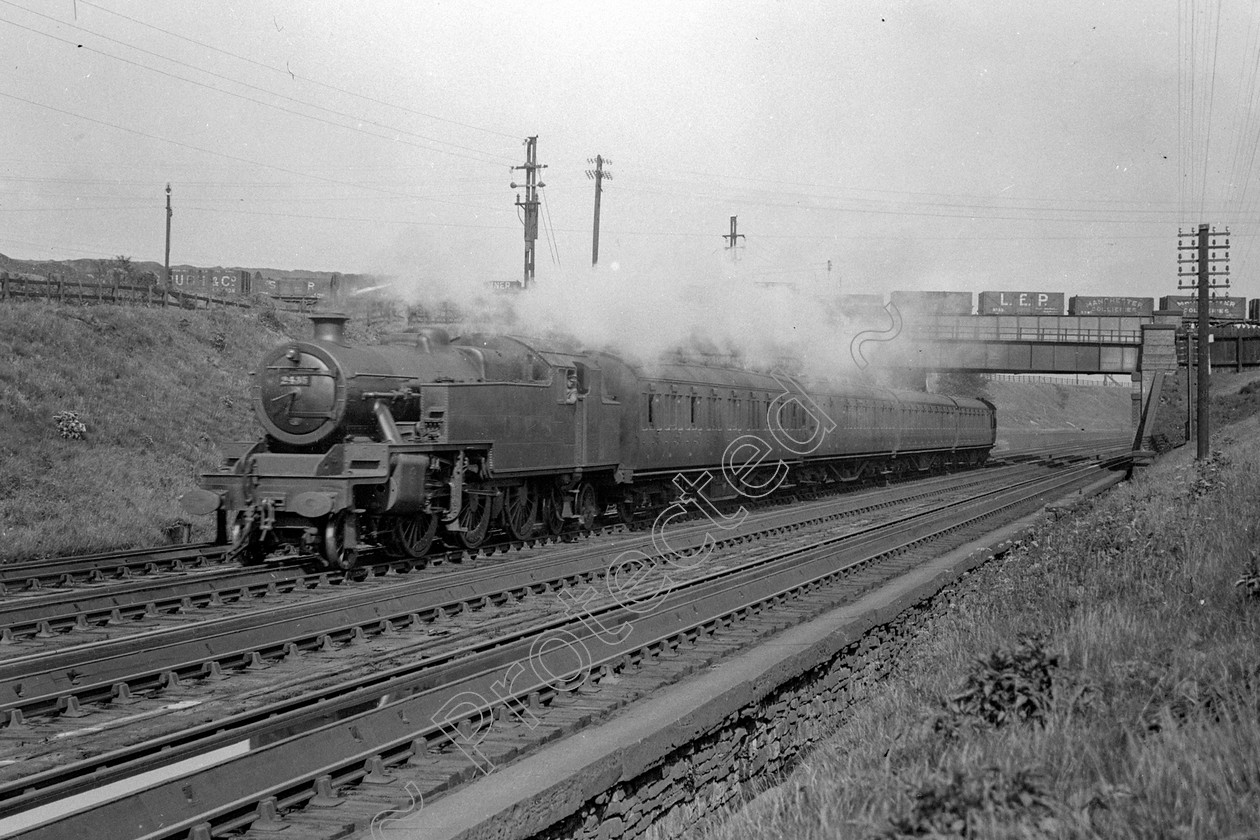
(520, 511)
(474, 518)
(626, 511)
(412, 536)
(338, 549)
(588, 508)
(552, 504)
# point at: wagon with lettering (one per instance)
(1021, 303)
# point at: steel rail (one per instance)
(46, 615)
(63, 571)
(227, 793)
(43, 682)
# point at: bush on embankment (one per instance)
(1103, 680)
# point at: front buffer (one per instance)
(294, 503)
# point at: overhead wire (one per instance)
(286, 72)
(225, 155)
(479, 156)
(1201, 129)
(1247, 136)
(966, 212)
(1211, 99)
(973, 202)
(549, 228)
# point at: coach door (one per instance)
(586, 424)
(579, 392)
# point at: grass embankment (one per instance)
(1030, 412)
(1101, 681)
(1234, 395)
(156, 391)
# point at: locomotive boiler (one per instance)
(421, 438)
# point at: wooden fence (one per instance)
(58, 288)
(374, 312)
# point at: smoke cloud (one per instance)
(714, 311)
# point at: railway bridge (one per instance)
(1140, 346)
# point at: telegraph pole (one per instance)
(166, 266)
(1210, 248)
(529, 206)
(599, 175)
(733, 236)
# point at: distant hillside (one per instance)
(82, 269)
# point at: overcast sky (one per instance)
(975, 145)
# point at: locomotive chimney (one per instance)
(330, 327)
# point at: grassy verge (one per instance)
(109, 412)
(1101, 681)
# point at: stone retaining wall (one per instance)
(757, 743)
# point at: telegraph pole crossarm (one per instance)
(1209, 251)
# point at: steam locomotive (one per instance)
(422, 437)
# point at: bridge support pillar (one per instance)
(1157, 358)
(1139, 390)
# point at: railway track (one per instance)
(1101, 448)
(351, 733)
(116, 570)
(45, 681)
(34, 575)
(98, 592)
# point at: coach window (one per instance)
(653, 410)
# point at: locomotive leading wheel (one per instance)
(520, 511)
(412, 536)
(475, 519)
(245, 542)
(338, 535)
(588, 509)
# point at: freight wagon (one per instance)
(213, 281)
(298, 287)
(231, 282)
(1021, 303)
(1219, 309)
(1110, 305)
